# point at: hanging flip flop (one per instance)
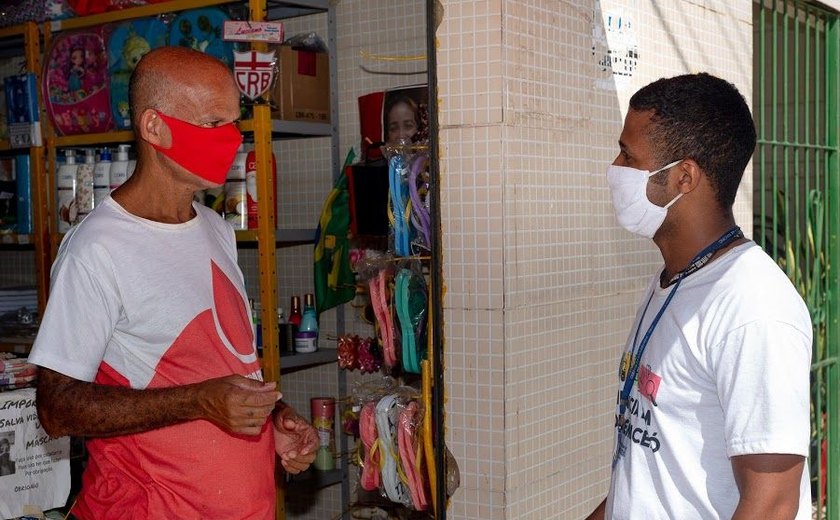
(386, 427)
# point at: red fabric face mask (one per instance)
(207, 152)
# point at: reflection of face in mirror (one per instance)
(402, 120)
(7, 466)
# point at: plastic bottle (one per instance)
(236, 205)
(256, 317)
(102, 177)
(84, 185)
(251, 187)
(306, 339)
(295, 315)
(119, 168)
(66, 188)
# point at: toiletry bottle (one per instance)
(66, 188)
(306, 339)
(295, 315)
(119, 168)
(102, 177)
(84, 185)
(256, 317)
(251, 187)
(236, 205)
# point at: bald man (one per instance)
(146, 347)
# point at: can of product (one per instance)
(236, 205)
(323, 419)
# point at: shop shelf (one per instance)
(16, 241)
(282, 236)
(322, 356)
(316, 479)
(125, 136)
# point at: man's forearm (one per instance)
(70, 407)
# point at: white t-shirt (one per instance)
(142, 304)
(726, 372)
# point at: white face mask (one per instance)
(633, 210)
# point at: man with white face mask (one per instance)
(712, 408)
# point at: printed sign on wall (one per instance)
(34, 468)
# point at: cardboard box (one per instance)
(302, 89)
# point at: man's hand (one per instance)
(295, 440)
(238, 404)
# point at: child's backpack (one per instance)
(202, 30)
(75, 85)
(128, 42)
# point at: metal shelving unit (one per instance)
(25, 38)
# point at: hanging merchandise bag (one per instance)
(127, 43)
(76, 86)
(202, 30)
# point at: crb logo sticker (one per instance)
(254, 72)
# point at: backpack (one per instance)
(76, 88)
(128, 42)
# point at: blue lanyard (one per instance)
(699, 261)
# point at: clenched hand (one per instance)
(238, 404)
(295, 440)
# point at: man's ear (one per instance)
(152, 129)
(689, 176)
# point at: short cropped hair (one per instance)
(704, 118)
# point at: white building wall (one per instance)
(541, 284)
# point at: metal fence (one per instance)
(795, 198)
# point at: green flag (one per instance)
(335, 283)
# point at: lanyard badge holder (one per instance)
(630, 362)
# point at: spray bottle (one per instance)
(102, 177)
(236, 205)
(119, 168)
(84, 185)
(66, 188)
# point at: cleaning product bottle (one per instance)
(251, 187)
(102, 177)
(119, 168)
(66, 188)
(236, 205)
(306, 339)
(84, 185)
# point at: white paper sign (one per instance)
(34, 468)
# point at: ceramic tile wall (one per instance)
(363, 28)
(541, 284)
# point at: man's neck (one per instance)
(679, 248)
(152, 197)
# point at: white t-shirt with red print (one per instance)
(143, 304)
(726, 373)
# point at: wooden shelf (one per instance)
(125, 136)
(275, 10)
(279, 130)
(28, 241)
(131, 13)
(322, 356)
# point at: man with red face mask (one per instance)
(146, 347)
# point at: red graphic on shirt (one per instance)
(200, 352)
(648, 383)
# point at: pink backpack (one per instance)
(76, 85)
